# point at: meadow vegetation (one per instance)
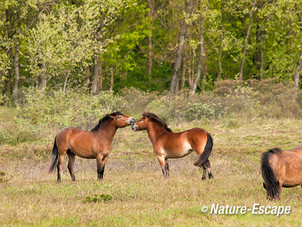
(244, 120)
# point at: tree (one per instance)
(201, 51)
(181, 43)
(247, 39)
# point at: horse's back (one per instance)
(297, 149)
(75, 140)
(68, 132)
(292, 164)
(195, 139)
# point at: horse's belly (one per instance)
(178, 152)
(292, 180)
(83, 152)
(88, 156)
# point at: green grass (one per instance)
(140, 194)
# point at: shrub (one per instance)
(98, 198)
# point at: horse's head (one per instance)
(122, 120)
(272, 193)
(147, 119)
(141, 124)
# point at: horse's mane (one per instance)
(104, 119)
(157, 120)
(275, 150)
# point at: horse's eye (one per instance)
(140, 121)
(119, 117)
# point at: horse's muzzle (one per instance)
(132, 120)
(134, 127)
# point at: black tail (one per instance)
(54, 157)
(269, 177)
(206, 153)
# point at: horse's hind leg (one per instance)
(204, 173)
(207, 166)
(71, 159)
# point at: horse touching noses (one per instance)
(167, 144)
(132, 120)
(93, 144)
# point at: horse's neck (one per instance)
(107, 130)
(154, 131)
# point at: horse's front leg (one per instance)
(167, 168)
(164, 166)
(101, 162)
(71, 159)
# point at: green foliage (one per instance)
(58, 42)
(263, 99)
(43, 113)
(98, 198)
(68, 109)
(197, 111)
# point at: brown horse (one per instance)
(281, 169)
(94, 144)
(167, 144)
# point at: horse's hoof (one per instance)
(211, 176)
(203, 178)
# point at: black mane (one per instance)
(104, 119)
(157, 120)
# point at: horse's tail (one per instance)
(206, 153)
(272, 184)
(54, 157)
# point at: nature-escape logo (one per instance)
(257, 209)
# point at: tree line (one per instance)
(151, 45)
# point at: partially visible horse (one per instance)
(167, 144)
(93, 144)
(281, 169)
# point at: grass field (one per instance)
(133, 179)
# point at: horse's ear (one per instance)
(111, 117)
(264, 186)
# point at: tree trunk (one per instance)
(111, 81)
(95, 75)
(191, 69)
(183, 73)
(201, 53)
(261, 62)
(221, 37)
(17, 75)
(100, 87)
(42, 79)
(246, 39)
(180, 49)
(16, 66)
(220, 57)
(87, 77)
(66, 79)
(259, 56)
(150, 45)
(204, 75)
(297, 73)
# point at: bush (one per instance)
(230, 99)
(98, 198)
